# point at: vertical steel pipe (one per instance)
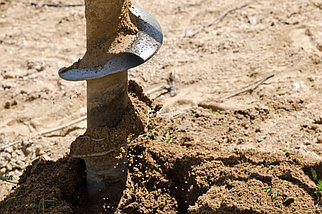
(114, 45)
(107, 100)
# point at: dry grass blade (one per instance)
(8, 145)
(62, 127)
(257, 83)
(190, 34)
(170, 87)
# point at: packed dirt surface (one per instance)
(206, 151)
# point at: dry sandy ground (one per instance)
(284, 114)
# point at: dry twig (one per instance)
(170, 87)
(57, 5)
(47, 131)
(159, 88)
(190, 34)
(62, 127)
(318, 5)
(177, 112)
(8, 145)
(257, 83)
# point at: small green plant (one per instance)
(284, 150)
(274, 194)
(269, 169)
(259, 140)
(314, 174)
(268, 189)
(4, 142)
(50, 203)
(15, 197)
(318, 190)
(33, 206)
(248, 102)
(151, 133)
(213, 112)
(7, 178)
(167, 137)
(43, 204)
(175, 113)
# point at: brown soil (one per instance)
(193, 159)
(102, 139)
(169, 172)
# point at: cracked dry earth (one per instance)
(252, 153)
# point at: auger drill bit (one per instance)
(120, 36)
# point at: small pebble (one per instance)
(252, 20)
(7, 156)
(9, 150)
(9, 167)
(20, 164)
(46, 157)
(19, 153)
(319, 140)
(8, 76)
(25, 144)
(7, 105)
(38, 150)
(17, 173)
(14, 156)
(315, 127)
(3, 171)
(28, 151)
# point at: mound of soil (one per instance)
(170, 172)
(177, 177)
(189, 177)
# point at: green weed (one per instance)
(268, 189)
(259, 140)
(167, 137)
(269, 169)
(16, 197)
(274, 194)
(7, 178)
(314, 174)
(43, 204)
(318, 190)
(33, 206)
(213, 112)
(151, 133)
(248, 102)
(4, 142)
(175, 113)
